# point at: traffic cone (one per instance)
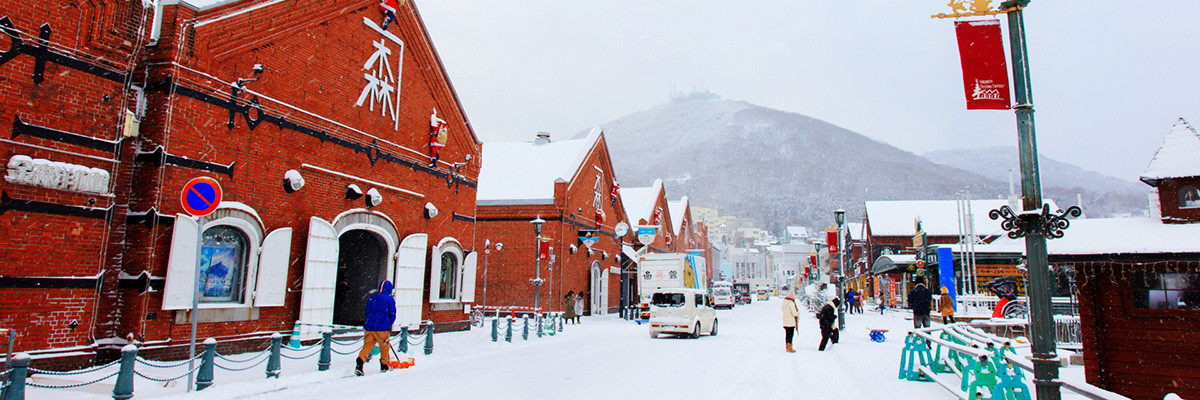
(294, 341)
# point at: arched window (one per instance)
(1189, 197)
(449, 276)
(223, 259)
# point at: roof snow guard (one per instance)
(1179, 156)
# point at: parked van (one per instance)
(684, 312)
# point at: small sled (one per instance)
(877, 335)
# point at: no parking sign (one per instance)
(200, 196)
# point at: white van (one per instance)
(722, 296)
(684, 312)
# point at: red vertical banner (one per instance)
(985, 72)
(543, 249)
(831, 238)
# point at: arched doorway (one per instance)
(362, 265)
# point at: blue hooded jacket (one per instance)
(381, 309)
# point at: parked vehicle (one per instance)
(684, 312)
(764, 295)
(741, 292)
(667, 270)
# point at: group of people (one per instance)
(573, 306)
(827, 318)
(919, 299)
(854, 302)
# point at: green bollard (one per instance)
(20, 370)
(404, 339)
(525, 333)
(508, 334)
(429, 339)
(495, 326)
(204, 378)
(538, 318)
(273, 366)
(123, 390)
(326, 347)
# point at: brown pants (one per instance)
(370, 340)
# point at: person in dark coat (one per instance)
(381, 313)
(919, 299)
(569, 307)
(828, 318)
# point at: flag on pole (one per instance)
(544, 249)
(985, 72)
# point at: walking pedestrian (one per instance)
(850, 301)
(791, 317)
(380, 313)
(919, 299)
(858, 302)
(946, 306)
(828, 322)
(569, 307)
(578, 306)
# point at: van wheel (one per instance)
(713, 332)
(653, 335)
(696, 331)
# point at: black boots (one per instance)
(383, 367)
(358, 364)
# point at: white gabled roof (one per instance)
(639, 201)
(524, 172)
(797, 231)
(1178, 157)
(1094, 236)
(677, 208)
(938, 217)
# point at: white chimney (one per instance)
(542, 138)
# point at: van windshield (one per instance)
(668, 299)
(721, 292)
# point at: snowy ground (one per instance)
(604, 357)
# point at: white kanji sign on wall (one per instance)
(382, 82)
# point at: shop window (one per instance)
(223, 259)
(1170, 291)
(1189, 197)
(449, 276)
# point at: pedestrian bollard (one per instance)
(429, 339)
(495, 328)
(273, 362)
(204, 377)
(123, 389)
(404, 339)
(525, 332)
(560, 323)
(16, 378)
(538, 318)
(508, 334)
(326, 348)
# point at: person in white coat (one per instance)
(791, 316)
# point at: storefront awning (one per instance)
(889, 262)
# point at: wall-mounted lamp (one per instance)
(432, 211)
(373, 198)
(353, 192)
(292, 181)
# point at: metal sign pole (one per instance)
(195, 308)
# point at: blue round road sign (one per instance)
(200, 196)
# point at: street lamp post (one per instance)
(537, 261)
(839, 216)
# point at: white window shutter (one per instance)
(604, 290)
(320, 275)
(467, 294)
(271, 286)
(410, 280)
(435, 273)
(181, 266)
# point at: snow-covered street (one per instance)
(605, 357)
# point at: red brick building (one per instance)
(647, 206)
(322, 127)
(691, 234)
(569, 184)
(1139, 282)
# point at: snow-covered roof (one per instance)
(1095, 236)
(856, 230)
(639, 201)
(797, 232)
(677, 208)
(1178, 157)
(524, 172)
(938, 217)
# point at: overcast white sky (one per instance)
(1109, 78)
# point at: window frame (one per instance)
(1134, 293)
(450, 245)
(1184, 191)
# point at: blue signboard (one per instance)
(946, 271)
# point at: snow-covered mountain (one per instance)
(781, 167)
(774, 166)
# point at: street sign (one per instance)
(200, 196)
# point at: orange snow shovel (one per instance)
(399, 363)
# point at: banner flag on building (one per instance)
(985, 72)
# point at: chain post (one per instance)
(326, 349)
(204, 378)
(273, 366)
(508, 334)
(123, 390)
(404, 339)
(495, 328)
(429, 338)
(525, 331)
(538, 318)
